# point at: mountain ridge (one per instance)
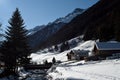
(97, 22)
(50, 29)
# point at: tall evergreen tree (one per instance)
(64, 46)
(0, 30)
(56, 48)
(53, 60)
(1, 36)
(15, 49)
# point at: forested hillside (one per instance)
(101, 21)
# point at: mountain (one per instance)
(2, 38)
(65, 19)
(104, 23)
(70, 16)
(39, 35)
(34, 30)
(101, 21)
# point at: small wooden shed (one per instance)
(105, 49)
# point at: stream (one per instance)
(34, 75)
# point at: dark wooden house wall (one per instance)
(105, 53)
(95, 50)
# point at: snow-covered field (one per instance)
(94, 70)
(79, 70)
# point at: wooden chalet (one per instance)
(77, 54)
(105, 49)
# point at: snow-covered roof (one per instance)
(108, 46)
(80, 52)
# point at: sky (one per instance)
(40, 12)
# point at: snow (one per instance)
(99, 70)
(74, 70)
(27, 75)
(34, 30)
(40, 56)
(79, 70)
(70, 16)
(108, 45)
(48, 56)
(88, 45)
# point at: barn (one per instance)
(105, 49)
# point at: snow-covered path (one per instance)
(100, 70)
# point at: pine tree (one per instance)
(56, 48)
(46, 62)
(0, 25)
(64, 46)
(15, 49)
(67, 46)
(53, 60)
(0, 38)
(0, 30)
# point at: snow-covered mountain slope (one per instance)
(70, 16)
(34, 30)
(42, 55)
(38, 36)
